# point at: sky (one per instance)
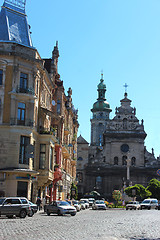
(120, 37)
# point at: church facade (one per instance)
(117, 156)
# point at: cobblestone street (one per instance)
(87, 225)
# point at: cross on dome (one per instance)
(125, 85)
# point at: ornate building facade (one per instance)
(38, 122)
(117, 156)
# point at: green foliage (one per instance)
(137, 190)
(73, 192)
(117, 195)
(154, 188)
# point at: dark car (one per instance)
(60, 208)
(17, 206)
(34, 208)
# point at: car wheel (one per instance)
(73, 214)
(149, 208)
(140, 208)
(31, 214)
(22, 214)
(59, 213)
(10, 216)
(135, 208)
(48, 213)
(126, 208)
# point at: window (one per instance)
(1, 77)
(16, 201)
(24, 141)
(133, 161)
(115, 160)
(23, 82)
(80, 159)
(51, 158)
(58, 107)
(124, 160)
(21, 113)
(42, 156)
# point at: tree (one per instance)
(73, 191)
(137, 190)
(154, 188)
(117, 195)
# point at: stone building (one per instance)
(117, 156)
(37, 154)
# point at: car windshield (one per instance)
(2, 200)
(99, 202)
(63, 203)
(146, 201)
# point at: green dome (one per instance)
(101, 85)
(101, 106)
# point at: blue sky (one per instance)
(122, 37)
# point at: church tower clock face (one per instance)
(124, 148)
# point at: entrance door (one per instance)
(22, 189)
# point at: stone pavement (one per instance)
(86, 225)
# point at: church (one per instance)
(117, 156)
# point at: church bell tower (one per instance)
(101, 110)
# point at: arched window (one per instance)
(125, 123)
(133, 161)
(124, 160)
(80, 177)
(115, 160)
(58, 107)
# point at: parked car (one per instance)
(77, 205)
(99, 204)
(133, 205)
(10, 206)
(91, 201)
(86, 202)
(158, 207)
(60, 208)
(34, 208)
(149, 204)
(83, 205)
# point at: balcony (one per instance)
(25, 90)
(49, 131)
(20, 122)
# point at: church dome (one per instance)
(101, 106)
(101, 85)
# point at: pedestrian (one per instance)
(43, 202)
(38, 202)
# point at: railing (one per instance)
(49, 131)
(25, 90)
(26, 122)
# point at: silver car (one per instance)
(11, 206)
(60, 208)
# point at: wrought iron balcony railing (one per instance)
(25, 90)
(26, 122)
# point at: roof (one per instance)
(13, 24)
(81, 140)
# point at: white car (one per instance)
(85, 201)
(99, 205)
(133, 205)
(91, 201)
(83, 206)
(77, 205)
(149, 203)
